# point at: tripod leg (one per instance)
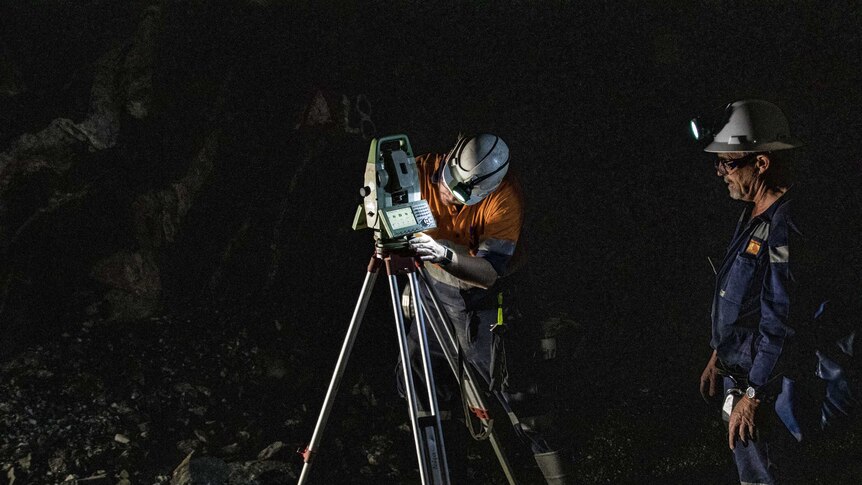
(443, 330)
(346, 347)
(478, 406)
(427, 429)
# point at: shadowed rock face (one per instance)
(9, 76)
(143, 151)
(154, 110)
(64, 151)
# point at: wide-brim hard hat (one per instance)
(753, 125)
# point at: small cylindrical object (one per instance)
(549, 348)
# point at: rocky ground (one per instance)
(192, 399)
(98, 406)
(199, 398)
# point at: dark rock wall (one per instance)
(152, 151)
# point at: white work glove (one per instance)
(430, 250)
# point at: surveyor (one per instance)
(479, 209)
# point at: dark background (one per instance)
(593, 99)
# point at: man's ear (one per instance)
(762, 162)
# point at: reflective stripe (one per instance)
(514, 418)
(500, 246)
(761, 231)
(441, 275)
(779, 254)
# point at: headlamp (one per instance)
(705, 131)
(463, 190)
(699, 131)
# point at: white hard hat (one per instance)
(753, 125)
(475, 167)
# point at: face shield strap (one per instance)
(452, 159)
(455, 154)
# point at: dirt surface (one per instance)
(102, 404)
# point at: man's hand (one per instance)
(709, 378)
(742, 421)
(430, 250)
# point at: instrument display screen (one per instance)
(401, 218)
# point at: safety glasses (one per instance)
(724, 167)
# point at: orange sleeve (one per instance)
(503, 219)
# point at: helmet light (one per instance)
(698, 130)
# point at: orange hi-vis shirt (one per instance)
(489, 229)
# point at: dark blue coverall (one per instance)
(752, 333)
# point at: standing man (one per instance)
(755, 344)
(479, 211)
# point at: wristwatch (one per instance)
(447, 257)
(751, 393)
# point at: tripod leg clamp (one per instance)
(306, 454)
(480, 413)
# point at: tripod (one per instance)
(426, 426)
